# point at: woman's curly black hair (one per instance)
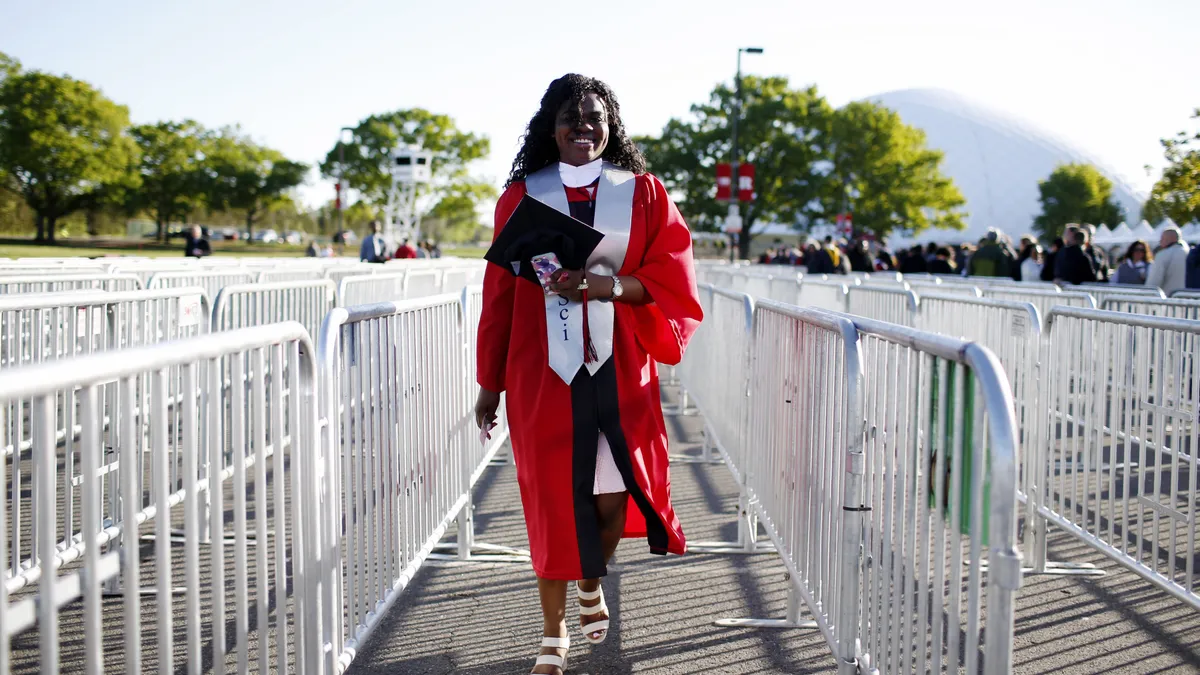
(538, 148)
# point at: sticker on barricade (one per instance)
(1020, 324)
(82, 321)
(190, 311)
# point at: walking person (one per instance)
(1072, 264)
(1136, 265)
(195, 245)
(373, 249)
(1169, 270)
(586, 424)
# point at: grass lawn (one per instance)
(15, 248)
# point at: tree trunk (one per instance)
(40, 223)
(51, 225)
(93, 222)
(161, 226)
(250, 225)
(744, 240)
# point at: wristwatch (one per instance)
(617, 289)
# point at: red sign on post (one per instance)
(724, 182)
(845, 224)
(745, 182)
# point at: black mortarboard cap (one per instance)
(534, 228)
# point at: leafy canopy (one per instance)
(247, 176)
(1075, 193)
(1177, 193)
(171, 169)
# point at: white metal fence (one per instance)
(1171, 308)
(365, 290)
(886, 529)
(244, 305)
(58, 283)
(397, 437)
(1118, 440)
(827, 295)
(212, 281)
(171, 398)
(891, 304)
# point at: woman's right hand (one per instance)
(485, 408)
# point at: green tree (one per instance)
(1075, 193)
(62, 141)
(1177, 193)
(455, 217)
(171, 169)
(367, 155)
(9, 66)
(244, 175)
(885, 176)
(783, 132)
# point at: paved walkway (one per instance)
(483, 619)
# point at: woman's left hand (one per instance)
(566, 283)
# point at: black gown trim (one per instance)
(595, 408)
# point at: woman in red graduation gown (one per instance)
(582, 385)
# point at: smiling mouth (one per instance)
(583, 141)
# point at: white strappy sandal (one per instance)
(555, 660)
(601, 626)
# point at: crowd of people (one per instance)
(1073, 258)
(374, 248)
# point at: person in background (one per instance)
(327, 252)
(1049, 259)
(884, 261)
(914, 262)
(431, 248)
(943, 262)
(1193, 268)
(1169, 270)
(860, 257)
(1026, 240)
(962, 253)
(1099, 260)
(991, 260)
(1135, 266)
(311, 251)
(1072, 264)
(819, 260)
(767, 257)
(195, 245)
(1031, 262)
(835, 255)
(372, 249)
(931, 252)
(406, 251)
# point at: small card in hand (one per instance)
(544, 266)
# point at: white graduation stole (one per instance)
(564, 319)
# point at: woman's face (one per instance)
(1138, 253)
(581, 131)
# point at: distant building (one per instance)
(995, 160)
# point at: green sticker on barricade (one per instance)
(968, 450)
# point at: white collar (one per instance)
(580, 176)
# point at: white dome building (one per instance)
(995, 160)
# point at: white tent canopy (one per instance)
(1144, 231)
(1103, 234)
(1191, 233)
(1121, 235)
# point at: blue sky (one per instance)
(1111, 77)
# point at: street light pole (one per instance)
(342, 187)
(735, 206)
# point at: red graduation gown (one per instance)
(554, 425)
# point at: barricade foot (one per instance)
(765, 623)
(1066, 569)
(690, 459)
(723, 547)
(483, 553)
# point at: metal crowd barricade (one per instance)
(264, 465)
(294, 272)
(244, 305)
(1117, 449)
(1171, 308)
(1043, 300)
(945, 288)
(1104, 291)
(804, 474)
(212, 281)
(58, 283)
(785, 288)
(939, 505)
(455, 279)
(422, 283)
(757, 285)
(827, 295)
(369, 289)
(385, 367)
(714, 375)
(41, 328)
(340, 272)
(892, 304)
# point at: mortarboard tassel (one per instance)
(589, 350)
